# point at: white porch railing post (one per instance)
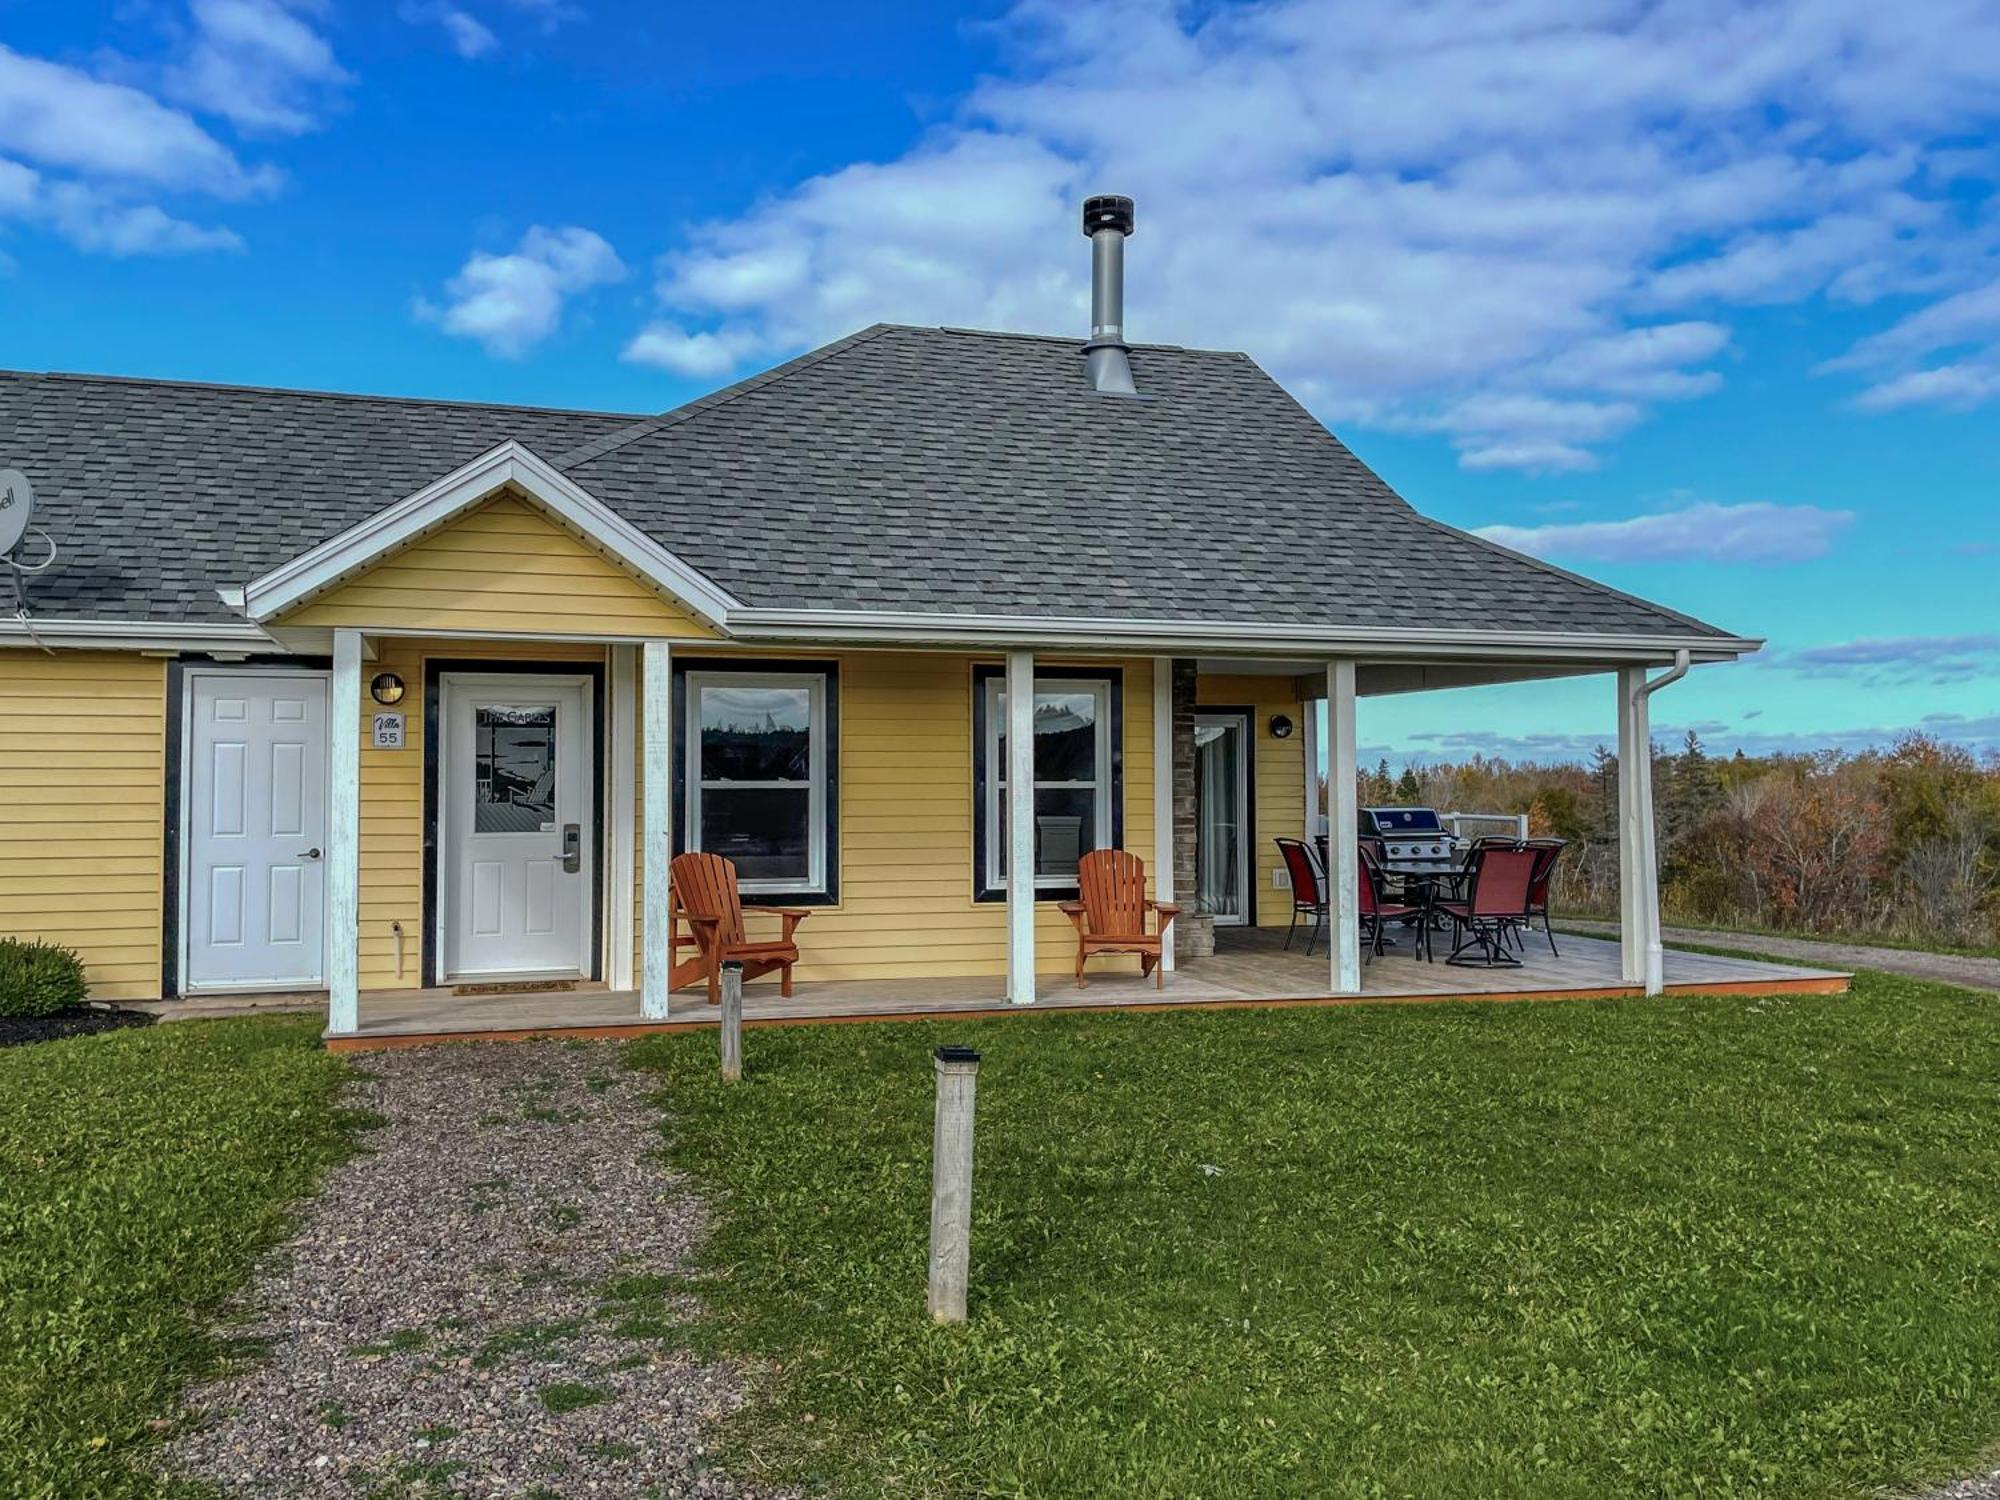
(1638, 864)
(343, 839)
(1163, 795)
(1021, 827)
(622, 722)
(657, 669)
(1343, 833)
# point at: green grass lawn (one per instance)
(140, 1174)
(1667, 1247)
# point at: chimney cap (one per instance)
(1107, 211)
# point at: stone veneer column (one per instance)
(1194, 932)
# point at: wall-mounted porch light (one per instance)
(386, 688)
(1281, 727)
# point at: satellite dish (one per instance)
(17, 506)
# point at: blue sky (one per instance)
(1702, 299)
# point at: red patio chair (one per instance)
(1308, 889)
(1377, 910)
(1497, 879)
(1549, 852)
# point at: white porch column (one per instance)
(1163, 795)
(1638, 863)
(343, 839)
(657, 667)
(622, 730)
(1021, 827)
(1343, 832)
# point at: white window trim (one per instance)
(693, 784)
(996, 774)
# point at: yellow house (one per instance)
(378, 696)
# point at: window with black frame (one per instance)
(1078, 775)
(756, 772)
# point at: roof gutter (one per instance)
(1233, 637)
(135, 635)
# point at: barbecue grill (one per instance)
(1414, 839)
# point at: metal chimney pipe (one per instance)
(1107, 219)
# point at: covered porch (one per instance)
(1250, 967)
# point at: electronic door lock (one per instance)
(572, 848)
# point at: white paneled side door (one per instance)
(516, 790)
(253, 801)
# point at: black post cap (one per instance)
(733, 963)
(956, 1055)
(1107, 211)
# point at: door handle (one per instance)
(309, 854)
(572, 848)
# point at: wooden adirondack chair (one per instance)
(704, 895)
(1110, 917)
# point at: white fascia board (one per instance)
(1188, 637)
(436, 503)
(134, 635)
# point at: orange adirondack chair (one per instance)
(1111, 916)
(704, 895)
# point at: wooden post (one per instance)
(1343, 833)
(656, 691)
(1021, 827)
(732, 1021)
(343, 839)
(1163, 795)
(957, 1070)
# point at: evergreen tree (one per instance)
(1408, 790)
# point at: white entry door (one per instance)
(254, 809)
(517, 774)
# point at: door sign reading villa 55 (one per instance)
(388, 731)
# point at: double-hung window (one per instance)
(1078, 775)
(757, 775)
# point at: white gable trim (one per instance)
(362, 545)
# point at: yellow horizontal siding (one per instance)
(906, 817)
(1281, 776)
(504, 566)
(82, 780)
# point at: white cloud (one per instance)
(1968, 321)
(1757, 532)
(92, 157)
(257, 63)
(63, 119)
(509, 303)
(1399, 206)
(697, 356)
(468, 34)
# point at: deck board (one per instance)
(1250, 968)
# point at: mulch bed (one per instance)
(78, 1020)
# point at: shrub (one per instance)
(38, 979)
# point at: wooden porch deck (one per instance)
(1250, 968)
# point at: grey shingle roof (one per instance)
(902, 469)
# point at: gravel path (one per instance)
(1984, 1486)
(1944, 968)
(475, 1305)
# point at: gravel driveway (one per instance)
(476, 1305)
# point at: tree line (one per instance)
(1901, 843)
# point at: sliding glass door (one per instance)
(1224, 855)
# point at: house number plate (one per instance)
(388, 731)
